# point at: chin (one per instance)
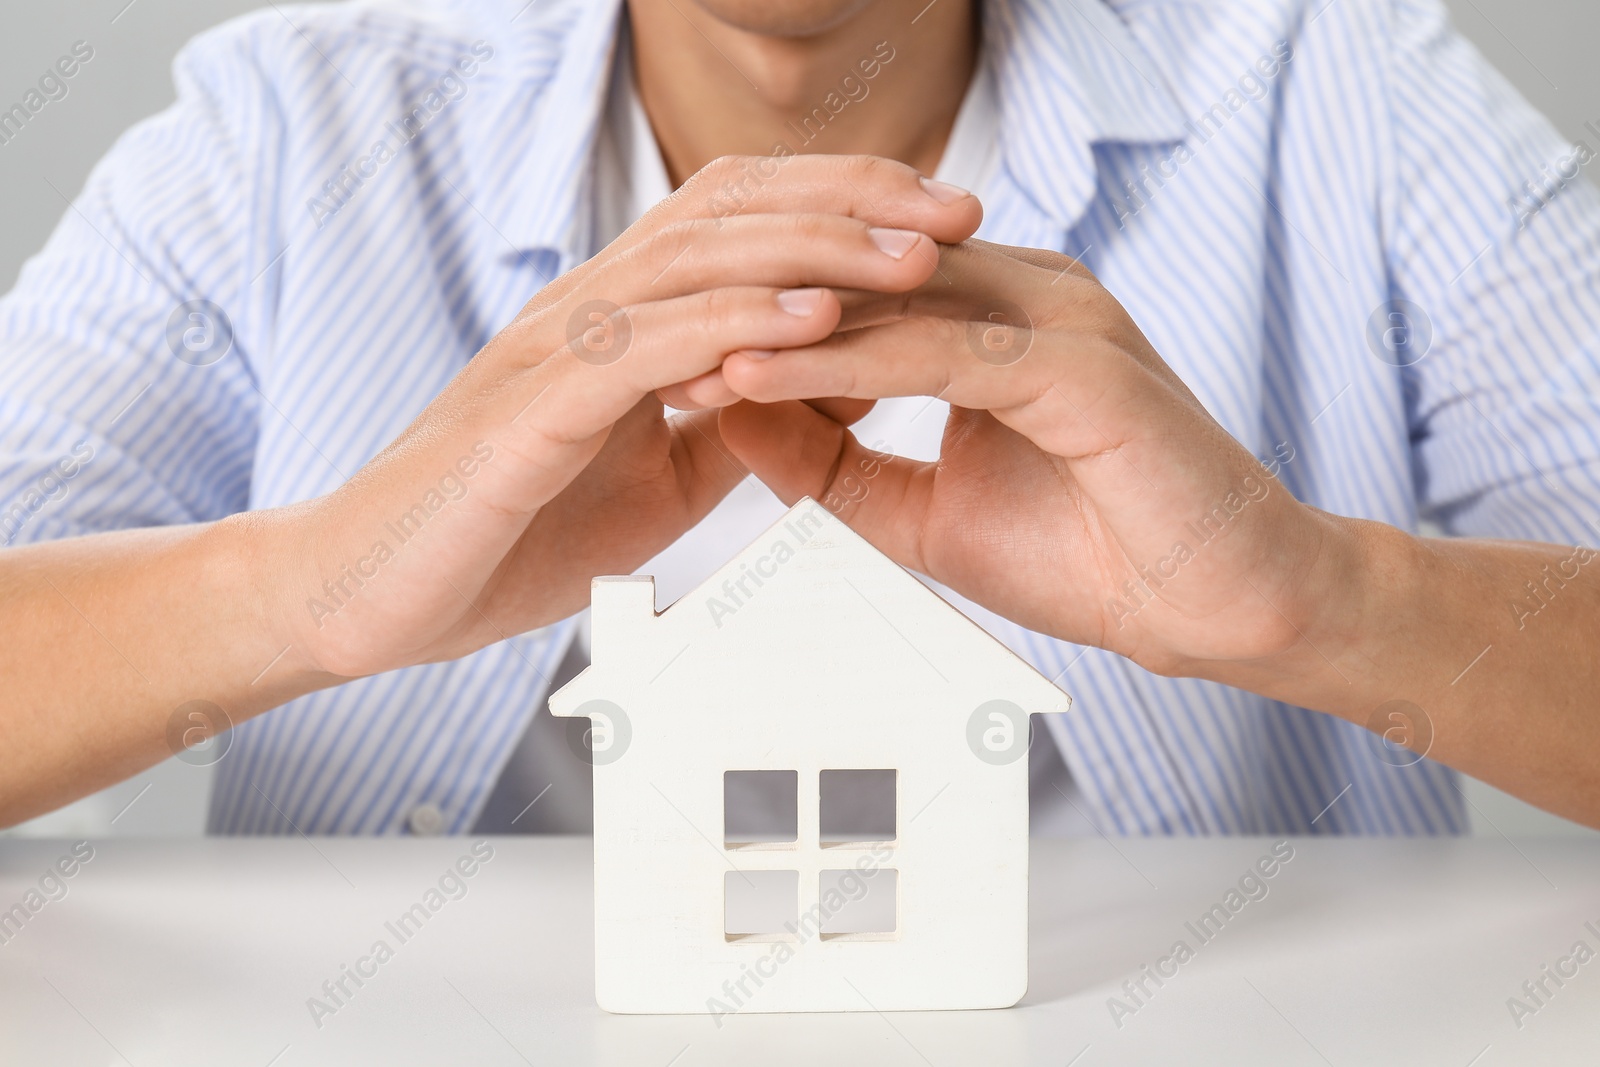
(784, 18)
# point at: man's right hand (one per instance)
(548, 459)
(544, 462)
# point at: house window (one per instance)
(760, 809)
(857, 807)
(760, 905)
(855, 900)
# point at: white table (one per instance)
(205, 952)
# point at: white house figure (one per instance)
(887, 733)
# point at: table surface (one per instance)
(208, 952)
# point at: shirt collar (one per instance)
(545, 201)
(1069, 74)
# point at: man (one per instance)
(1185, 485)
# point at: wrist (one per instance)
(1363, 598)
(254, 555)
(1347, 612)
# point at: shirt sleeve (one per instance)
(1494, 238)
(127, 391)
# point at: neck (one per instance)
(875, 84)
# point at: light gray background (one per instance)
(1547, 49)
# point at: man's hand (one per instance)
(1083, 491)
(545, 461)
(573, 469)
(1078, 476)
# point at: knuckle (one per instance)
(876, 177)
(1063, 262)
(900, 305)
(812, 229)
(719, 309)
(702, 179)
(675, 234)
(554, 436)
(878, 169)
(720, 169)
(1084, 301)
(725, 185)
(669, 242)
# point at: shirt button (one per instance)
(426, 820)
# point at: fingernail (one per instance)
(894, 243)
(944, 192)
(759, 353)
(800, 302)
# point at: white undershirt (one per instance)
(629, 179)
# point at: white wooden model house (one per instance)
(883, 734)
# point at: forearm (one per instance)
(1494, 641)
(107, 636)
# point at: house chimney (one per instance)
(623, 607)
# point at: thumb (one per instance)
(798, 451)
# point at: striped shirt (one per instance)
(1377, 267)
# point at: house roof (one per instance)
(825, 570)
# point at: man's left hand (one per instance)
(1082, 490)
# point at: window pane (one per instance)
(859, 901)
(760, 807)
(858, 806)
(760, 905)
